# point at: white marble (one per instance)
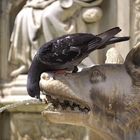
(40, 21)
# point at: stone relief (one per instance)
(40, 21)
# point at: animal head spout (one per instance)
(104, 98)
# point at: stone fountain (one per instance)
(94, 18)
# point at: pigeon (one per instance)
(65, 53)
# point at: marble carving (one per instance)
(40, 21)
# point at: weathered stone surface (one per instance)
(104, 98)
(31, 126)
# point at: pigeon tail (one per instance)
(107, 37)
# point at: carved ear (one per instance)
(132, 64)
(97, 76)
(66, 3)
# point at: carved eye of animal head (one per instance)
(97, 76)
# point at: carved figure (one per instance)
(104, 98)
(42, 20)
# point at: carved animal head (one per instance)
(104, 98)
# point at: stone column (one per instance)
(123, 21)
(4, 38)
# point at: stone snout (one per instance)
(108, 93)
